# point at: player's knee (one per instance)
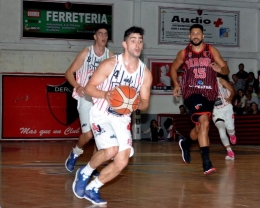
(111, 152)
(121, 164)
(87, 136)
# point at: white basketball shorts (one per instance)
(227, 114)
(84, 105)
(110, 130)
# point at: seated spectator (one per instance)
(238, 83)
(239, 102)
(168, 125)
(242, 74)
(253, 108)
(183, 109)
(156, 132)
(251, 90)
(249, 99)
(253, 82)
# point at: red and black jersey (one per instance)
(199, 77)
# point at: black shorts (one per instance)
(198, 105)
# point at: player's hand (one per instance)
(215, 67)
(80, 91)
(108, 95)
(176, 91)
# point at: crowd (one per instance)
(246, 86)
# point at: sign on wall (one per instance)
(64, 20)
(220, 27)
(46, 110)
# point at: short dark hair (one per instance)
(181, 106)
(132, 30)
(100, 26)
(196, 26)
(241, 65)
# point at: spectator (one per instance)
(239, 102)
(241, 74)
(251, 90)
(238, 83)
(253, 108)
(253, 82)
(156, 132)
(183, 109)
(249, 99)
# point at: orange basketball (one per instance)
(124, 99)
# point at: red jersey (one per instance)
(198, 76)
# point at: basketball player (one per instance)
(223, 114)
(112, 130)
(201, 62)
(84, 65)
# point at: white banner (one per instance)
(220, 27)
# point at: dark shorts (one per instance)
(198, 105)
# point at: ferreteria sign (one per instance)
(64, 20)
(220, 27)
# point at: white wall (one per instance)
(44, 55)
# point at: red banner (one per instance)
(38, 106)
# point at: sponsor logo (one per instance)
(97, 129)
(113, 137)
(33, 13)
(197, 107)
(200, 82)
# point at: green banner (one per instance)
(64, 20)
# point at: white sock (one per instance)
(229, 149)
(94, 184)
(87, 170)
(78, 151)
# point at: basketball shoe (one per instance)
(230, 155)
(185, 152)
(208, 168)
(93, 196)
(233, 139)
(80, 183)
(71, 161)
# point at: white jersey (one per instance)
(222, 94)
(119, 76)
(91, 62)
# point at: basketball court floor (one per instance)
(32, 174)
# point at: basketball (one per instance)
(124, 99)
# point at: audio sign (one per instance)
(220, 27)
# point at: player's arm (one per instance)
(229, 87)
(98, 77)
(174, 76)
(219, 65)
(145, 90)
(75, 66)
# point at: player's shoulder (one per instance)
(84, 52)
(111, 61)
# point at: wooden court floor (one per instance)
(33, 175)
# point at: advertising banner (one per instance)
(220, 27)
(38, 107)
(64, 20)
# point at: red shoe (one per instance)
(233, 139)
(230, 155)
